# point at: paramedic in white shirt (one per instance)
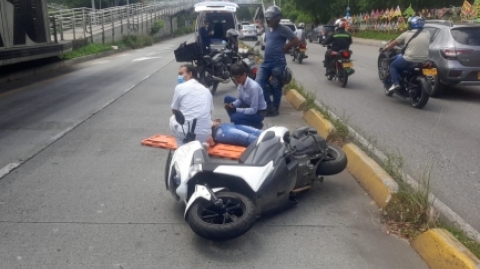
(194, 101)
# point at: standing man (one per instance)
(194, 101)
(205, 37)
(274, 62)
(250, 106)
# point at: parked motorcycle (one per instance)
(340, 67)
(299, 53)
(414, 84)
(223, 200)
(211, 68)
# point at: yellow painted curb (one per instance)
(297, 100)
(316, 120)
(379, 184)
(441, 250)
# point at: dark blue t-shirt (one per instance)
(275, 40)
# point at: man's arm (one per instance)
(289, 35)
(176, 101)
(238, 102)
(253, 102)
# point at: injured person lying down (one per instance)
(234, 134)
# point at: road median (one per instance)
(438, 247)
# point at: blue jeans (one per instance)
(235, 134)
(397, 66)
(240, 118)
(275, 69)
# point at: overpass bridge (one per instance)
(25, 37)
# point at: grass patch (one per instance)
(340, 135)
(377, 35)
(86, 50)
(183, 31)
(472, 245)
(137, 41)
(410, 213)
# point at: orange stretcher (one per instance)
(218, 150)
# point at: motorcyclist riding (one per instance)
(302, 35)
(417, 43)
(340, 40)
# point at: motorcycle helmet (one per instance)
(273, 14)
(301, 25)
(415, 23)
(342, 24)
(232, 33)
(287, 75)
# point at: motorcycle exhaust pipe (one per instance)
(220, 79)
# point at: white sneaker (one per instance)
(393, 88)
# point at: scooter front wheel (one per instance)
(232, 218)
(335, 162)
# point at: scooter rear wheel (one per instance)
(215, 223)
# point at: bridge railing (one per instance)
(78, 23)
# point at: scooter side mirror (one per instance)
(179, 117)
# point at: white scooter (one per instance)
(223, 200)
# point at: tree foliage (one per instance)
(324, 10)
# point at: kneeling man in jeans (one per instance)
(250, 106)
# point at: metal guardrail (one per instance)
(78, 23)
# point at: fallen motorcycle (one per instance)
(223, 200)
(414, 84)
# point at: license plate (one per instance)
(429, 71)
(302, 50)
(348, 64)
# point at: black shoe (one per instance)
(272, 113)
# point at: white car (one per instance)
(249, 32)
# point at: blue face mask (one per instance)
(180, 79)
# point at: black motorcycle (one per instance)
(212, 68)
(340, 66)
(414, 84)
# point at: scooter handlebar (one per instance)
(193, 125)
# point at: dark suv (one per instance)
(455, 50)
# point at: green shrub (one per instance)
(137, 41)
(157, 26)
(378, 35)
(86, 50)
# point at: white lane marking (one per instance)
(144, 58)
(62, 133)
(8, 168)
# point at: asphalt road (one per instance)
(88, 195)
(443, 136)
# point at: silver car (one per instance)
(455, 50)
(249, 32)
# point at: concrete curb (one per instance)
(441, 250)
(379, 184)
(367, 42)
(438, 247)
(54, 66)
(316, 120)
(296, 100)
